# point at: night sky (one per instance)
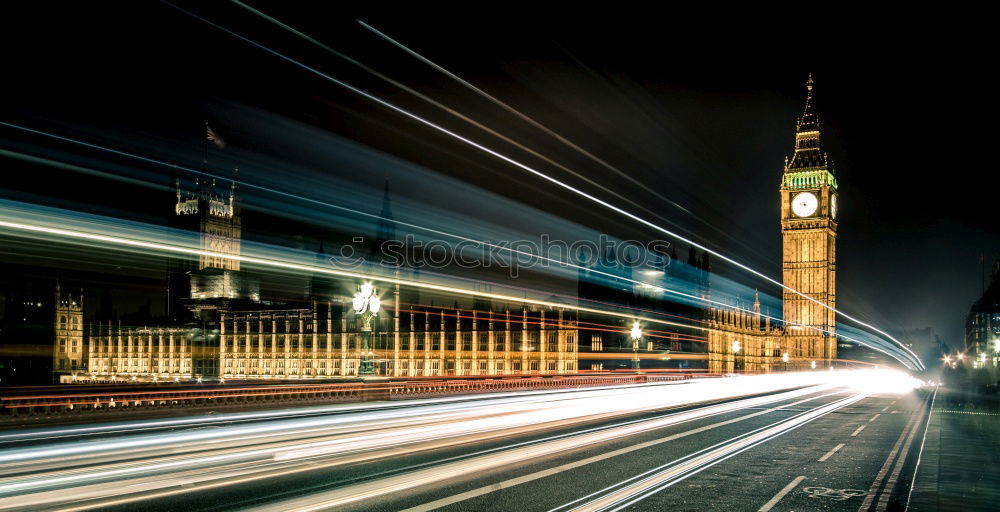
(702, 115)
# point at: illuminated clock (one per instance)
(805, 204)
(833, 206)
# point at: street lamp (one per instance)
(812, 364)
(366, 304)
(784, 359)
(636, 335)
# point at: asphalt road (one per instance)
(784, 447)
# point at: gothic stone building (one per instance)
(808, 195)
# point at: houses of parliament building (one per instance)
(228, 332)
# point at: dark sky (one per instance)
(703, 113)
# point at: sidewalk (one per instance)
(960, 465)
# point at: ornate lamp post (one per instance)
(636, 335)
(784, 359)
(366, 304)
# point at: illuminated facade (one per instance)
(236, 336)
(325, 341)
(70, 352)
(809, 264)
(982, 325)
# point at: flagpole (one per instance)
(205, 161)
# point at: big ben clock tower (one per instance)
(809, 242)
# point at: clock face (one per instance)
(805, 204)
(833, 206)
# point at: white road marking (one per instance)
(670, 473)
(884, 409)
(781, 494)
(858, 431)
(831, 452)
(873, 490)
(435, 473)
(883, 500)
(920, 454)
(874, 418)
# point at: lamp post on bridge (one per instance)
(366, 304)
(636, 335)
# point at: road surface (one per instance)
(746, 443)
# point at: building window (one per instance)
(499, 341)
(596, 343)
(533, 341)
(553, 343)
(484, 342)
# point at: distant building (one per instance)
(982, 325)
(41, 329)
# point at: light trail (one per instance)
(302, 267)
(508, 250)
(660, 478)
(839, 332)
(244, 417)
(80, 235)
(122, 469)
(554, 181)
(458, 114)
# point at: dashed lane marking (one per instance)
(781, 494)
(831, 452)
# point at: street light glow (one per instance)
(736, 346)
(366, 300)
(636, 331)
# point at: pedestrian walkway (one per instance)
(960, 464)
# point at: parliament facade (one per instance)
(228, 332)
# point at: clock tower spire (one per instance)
(809, 235)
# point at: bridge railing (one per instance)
(111, 399)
